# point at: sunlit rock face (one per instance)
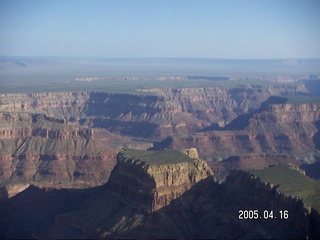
(42, 149)
(165, 112)
(206, 210)
(275, 129)
(55, 136)
(153, 179)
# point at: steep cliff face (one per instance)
(289, 113)
(279, 129)
(63, 105)
(223, 103)
(43, 149)
(168, 111)
(22, 125)
(153, 179)
(164, 194)
(206, 210)
(37, 129)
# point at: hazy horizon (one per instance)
(15, 68)
(156, 58)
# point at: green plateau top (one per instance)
(292, 182)
(161, 157)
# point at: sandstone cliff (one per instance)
(62, 105)
(154, 179)
(167, 111)
(278, 129)
(34, 147)
(68, 127)
(156, 195)
(207, 210)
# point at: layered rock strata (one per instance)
(161, 194)
(167, 111)
(153, 179)
(38, 148)
(208, 210)
(278, 129)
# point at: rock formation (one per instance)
(156, 195)
(66, 126)
(154, 179)
(207, 210)
(167, 111)
(276, 130)
(38, 148)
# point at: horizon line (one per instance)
(131, 58)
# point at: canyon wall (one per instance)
(165, 112)
(51, 136)
(62, 105)
(206, 210)
(155, 185)
(279, 129)
(165, 194)
(38, 148)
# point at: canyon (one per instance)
(36, 148)
(42, 134)
(275, 133)
(176, 197)
(155, 163)
(160, 111)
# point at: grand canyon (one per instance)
(179, 156)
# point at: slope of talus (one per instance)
(37, 148)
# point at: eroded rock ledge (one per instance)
(152, 179)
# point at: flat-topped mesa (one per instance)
(152, 179)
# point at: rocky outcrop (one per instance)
(164, 194)
(23, 125)
(167, 111)
(38, 148)
(64, 105)
(207, 210)
(153, 180)
(289, 113)
(276, 130)
(40, 128)
(9, 191)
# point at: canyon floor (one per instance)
(160, 156)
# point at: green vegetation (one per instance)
(292, 182)
(111, 86)
(157, 157)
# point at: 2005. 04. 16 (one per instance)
(266, 214)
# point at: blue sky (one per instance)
(168, 28)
